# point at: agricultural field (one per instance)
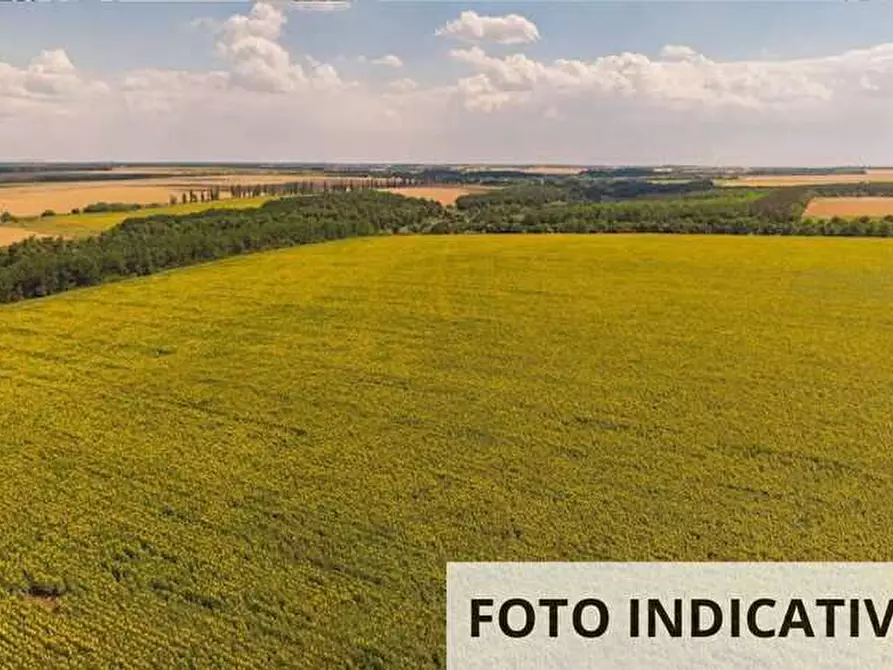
(10, 235)
(34, 198)
(558, 170)
(849, 207)
(268, 460)
(445, 195)
(83, 225)
(756, 180)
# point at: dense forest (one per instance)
(733, 211)
(579, 191)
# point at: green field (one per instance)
(82, 225)
(267, 461)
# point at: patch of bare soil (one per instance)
(12, 235)
(445, 195)
(849, 207)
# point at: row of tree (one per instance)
(741, 225)
(313, 185)
(204, 195)
(856, 189)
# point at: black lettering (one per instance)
(552, 604)
(477, 618)
(673, 626)
(829, 604)
(801, 622)
(599, 630)
(752, 626)
(634, 617)
(529, 617)
(712, 629)
(854, 617)
(880, 628)
(736, 617)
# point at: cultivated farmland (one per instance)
(445, 195)
(83, 225)
(268, 460)
(849, 207)
(776, 180)
(33, 198)
(9, 235)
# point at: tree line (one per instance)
(571, 190)
(855, 189)
(311, 186)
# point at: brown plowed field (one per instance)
(12, 235)
(34, 198)
(445, 195)
(849, 207)
(806, 180)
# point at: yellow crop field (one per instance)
(268, 460)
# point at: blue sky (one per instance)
(120, 70)
(121, 35)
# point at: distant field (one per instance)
(33, 199)
(80, 225)
(554, 169)
(805, 180)
(530, 169)
(445, 195)
(849, 207)
(9, 235)
(269, 460)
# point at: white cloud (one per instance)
(682, 78)
(263, 21)
(403, 85)
(508, 29)
(49, 83)
(679, 52)
(389, 60)
(49, 75)
(265, 102)
(320, 5)
(481, 94)
(249, 43)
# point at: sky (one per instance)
(585, 82)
